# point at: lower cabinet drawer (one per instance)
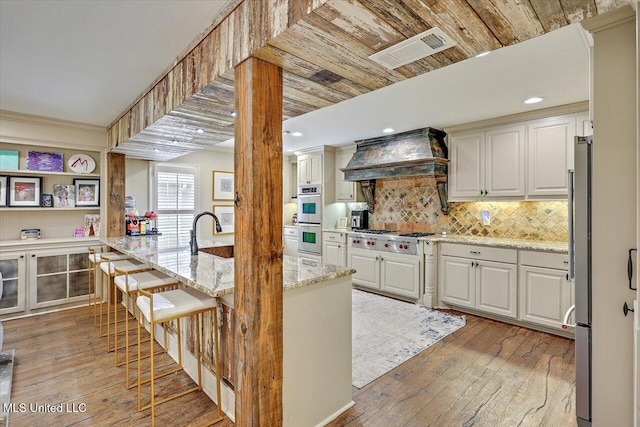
(485, 253)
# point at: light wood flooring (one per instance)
(485, 374)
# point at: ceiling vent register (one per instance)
(417, 47)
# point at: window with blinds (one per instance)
(175, 201)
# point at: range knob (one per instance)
(386, 245)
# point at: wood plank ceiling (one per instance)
(324, 55)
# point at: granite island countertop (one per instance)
(211, 274)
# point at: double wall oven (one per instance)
(310, 219)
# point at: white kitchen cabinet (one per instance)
(396, 274)
(335, 248)
(465, 169)
(488, 164)
(290, 241)
(545, 292)
(310, 168)
(497, 288)
(13, 269)
(482, 278)
(289, 179)
(58, 277)
(367, 269)
(550, 155)
(346, 191)
(400, 274)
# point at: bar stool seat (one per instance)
(170, 305)
(147, 279)
(109, 267)
(96, 289)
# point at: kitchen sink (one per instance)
(221, 251)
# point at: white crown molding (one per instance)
(577, 107)
(609, 19)
(48, 121)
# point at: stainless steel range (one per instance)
(387, 241)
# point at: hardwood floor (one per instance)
(61, 359)
(485, 374)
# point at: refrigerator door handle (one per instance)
(572, 266)
(630, 269)
(565, 319)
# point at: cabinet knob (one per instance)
(481, 192)
(33, 255)
(486, 192)
(21, 256)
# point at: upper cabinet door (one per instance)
(465, 170)
(344, 189)
(504, 153)
(550, 155)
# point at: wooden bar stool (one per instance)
(175, 305)
(98, 259)
(109, 272)
(128, 283)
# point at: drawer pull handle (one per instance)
(566, 262)
(475, 252)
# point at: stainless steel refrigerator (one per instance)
(580, 270)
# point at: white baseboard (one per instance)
(336, 414)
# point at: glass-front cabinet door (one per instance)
(12, 268)
(58, 277)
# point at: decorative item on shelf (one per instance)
(129, 204)
(294, 218)
(223, 185)
(79, 232)
(64, 196)
(91, 225)
(30, 233)
(3, 191)
(342, 222)
(9, 160)
(44, 162)
(226, 217)
(132, 224)
(46, 201)
(81, 163)
(24, 191)
(87, 192)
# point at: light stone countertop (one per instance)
(533, 245)
(211, 274)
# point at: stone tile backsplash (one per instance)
(412, 204)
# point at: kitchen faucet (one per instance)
(193, 242)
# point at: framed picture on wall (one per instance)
(223, 185)
(87, 192)
(24, 191)
(3, 191)
(226, 217)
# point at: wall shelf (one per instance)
(80, 208)
(29, 172)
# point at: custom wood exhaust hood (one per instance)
(414, 153)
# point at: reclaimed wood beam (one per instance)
(116, 174)
(258, 240)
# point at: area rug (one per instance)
(388, 332)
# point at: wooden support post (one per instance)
(116, 173)
(258, 241)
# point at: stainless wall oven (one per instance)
(310, 204)
(310, 238)
(310, 219)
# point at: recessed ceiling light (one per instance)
(387, 130)
(200, 130)
(233, 113)
(156, 150)
(296, 133)
(481, 54)
(174, 141)
(533, 100)
(286, 132)
(290, 151)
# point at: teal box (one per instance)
(9, 160)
